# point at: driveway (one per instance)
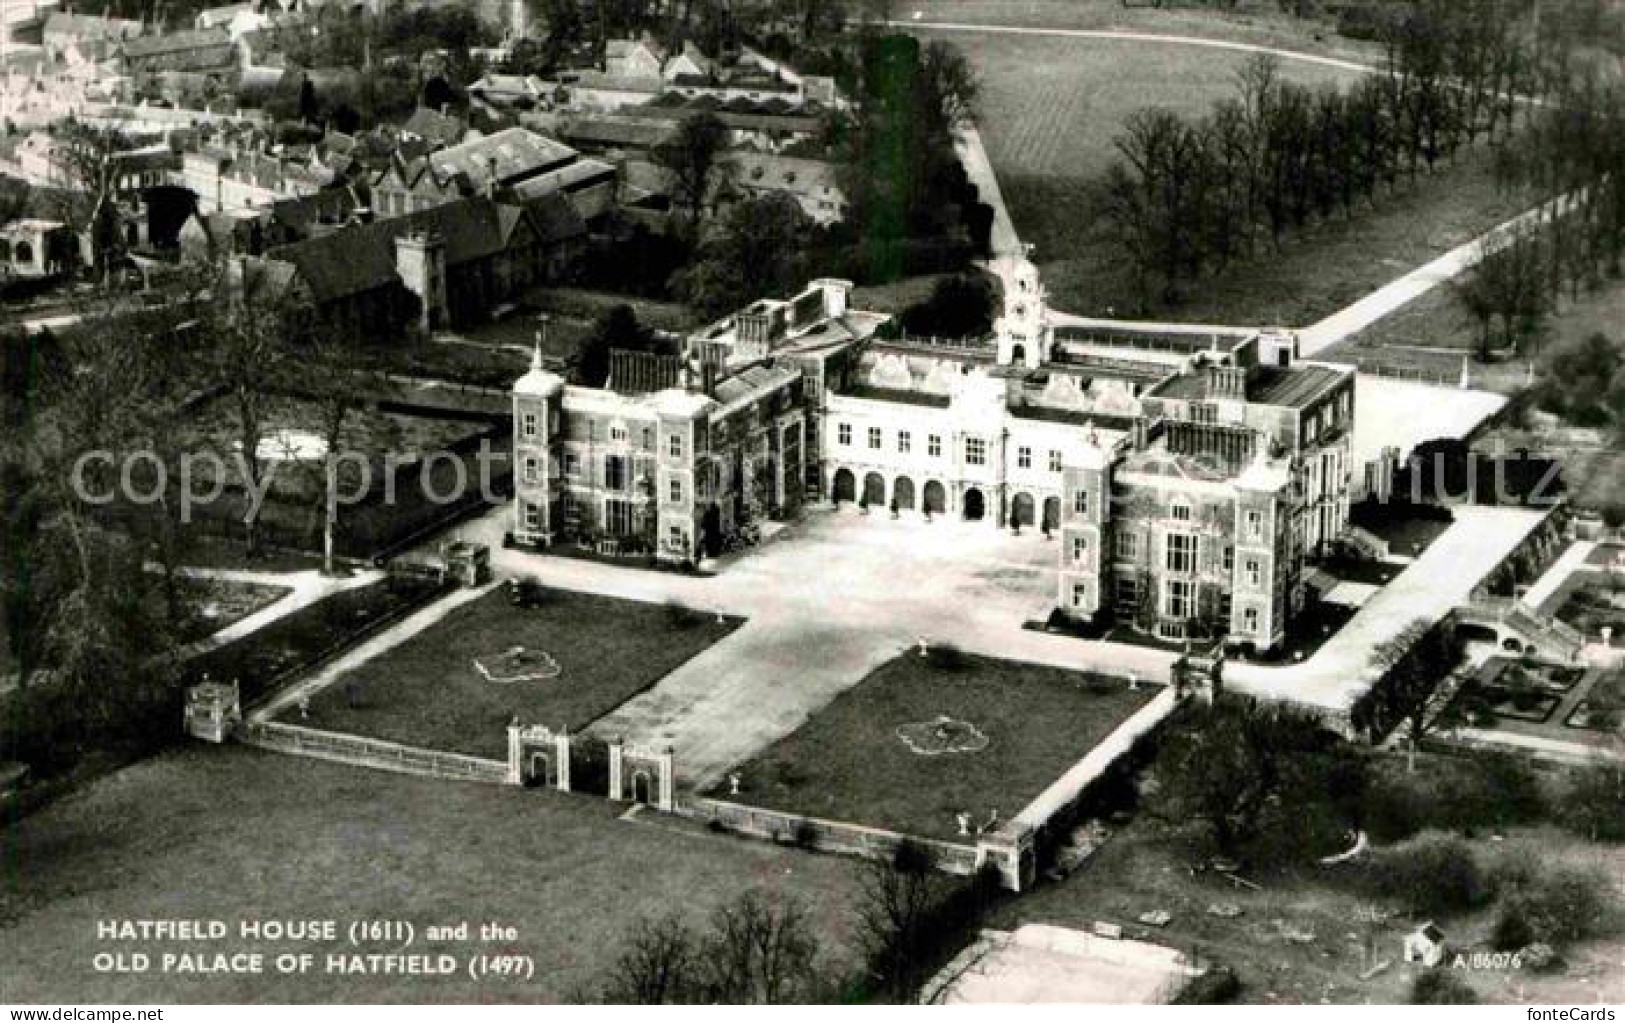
(832, 597)
(828, 599)
(1433, 585)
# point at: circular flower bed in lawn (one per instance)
(942, 735)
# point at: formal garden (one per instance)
(1592, 602)
(925, 739)
(558, 658)
(1526, 696)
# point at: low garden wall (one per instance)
(1013, 850)
(826, 835)
(1078, 793)
(375, 753)
(1528, 561)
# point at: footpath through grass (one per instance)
(1318, 271)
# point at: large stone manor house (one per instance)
(1184, 489)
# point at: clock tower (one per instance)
(1024, 331)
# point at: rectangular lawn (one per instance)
(851, 763)
(427, 692)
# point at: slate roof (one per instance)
(555, 218)
(442, 129)
(629, 132)
(1293, 387)
(512, 154)
(750, 383)
(564, 179)
(361, 258)
(86, 26)
(610, 83)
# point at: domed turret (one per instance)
(1024, 331)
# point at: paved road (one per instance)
(1004, 241)
(1407, 289)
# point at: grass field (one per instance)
(848, 762)
(427, 692)
(1050, 108)
(216, 552)
(1259, 22)
(1434, 332)
(236, 834)
(1049, 113)
(1593, 464)
(1318, 271)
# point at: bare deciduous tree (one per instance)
(658, 965)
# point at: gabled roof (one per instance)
(611, 83)
(507, 156)
(564, 179)
(618, 131)
(515, 85)
(751, 383)
(362, 258)
(87, 26)
(1296, 386)
(442, 129)
(555, 219)
(620, 48)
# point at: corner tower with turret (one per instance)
(538, 415)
